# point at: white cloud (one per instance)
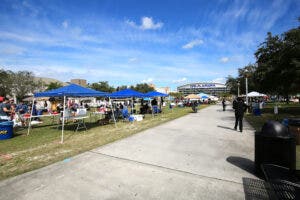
(192, 44)
(11, 50)
(180, 80)
(149, 80)
(147, 23)
(132, 60)
(224, 59)
(131, 23)
(219, 80)
(65, 24)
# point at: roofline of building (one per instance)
(202, 83)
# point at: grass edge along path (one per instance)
(285, 111)
(42, 147)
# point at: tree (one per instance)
(122, 87)
(278, 61)
(247, 71)
(6, 82)
(143, 87)
(102, 86)
(177, 95)
(23, 84)
(53, 85)
(268, 71)
(232, 84)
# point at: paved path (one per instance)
(198, 156)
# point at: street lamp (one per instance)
(246, 74)
(238, 84)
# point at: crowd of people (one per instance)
(18, 113)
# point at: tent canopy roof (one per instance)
(126, 94)
(155, 94)
(255, 94)
(192, 96)
(203, 95)
(72, 90)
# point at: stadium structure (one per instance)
(209, 88)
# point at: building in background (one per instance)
(209, 88)
(165, 90)
(81, 82)
(151, 85)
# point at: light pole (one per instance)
(238, 84)
(246, 74)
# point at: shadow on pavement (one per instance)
(243, 163)
(227, 118)
(253, 188)
(225, 127)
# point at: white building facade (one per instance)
(209, 88)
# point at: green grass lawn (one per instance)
(291, 110)
(42, 147)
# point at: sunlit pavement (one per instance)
(198, 156)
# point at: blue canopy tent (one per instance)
(203, 95)
(155, 94)
(71, 90)
(127, 93)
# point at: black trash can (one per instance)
(294, 127)
(275, 145)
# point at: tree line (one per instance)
(105, 87)
(19, 83)
(23, 83)
(277, 67)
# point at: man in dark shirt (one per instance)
(154, 106)
(154, 102)
(22, 108)
(5, 109)
(239, 109)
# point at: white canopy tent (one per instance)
(255, 94)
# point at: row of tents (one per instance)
(74, 90)
(214, 98)
(201, 96)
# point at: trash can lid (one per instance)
(275, 129)
(294, 122)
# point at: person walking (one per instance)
(239, 109)
(224, 104)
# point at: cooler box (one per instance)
(6, 130)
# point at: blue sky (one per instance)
(125, 42)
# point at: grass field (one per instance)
(42, 147)
(285, 111)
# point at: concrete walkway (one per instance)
(198, 156)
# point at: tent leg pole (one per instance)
(63, 121)
(132, 106)
(113, 114)
(152, 110)
(29, 125)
